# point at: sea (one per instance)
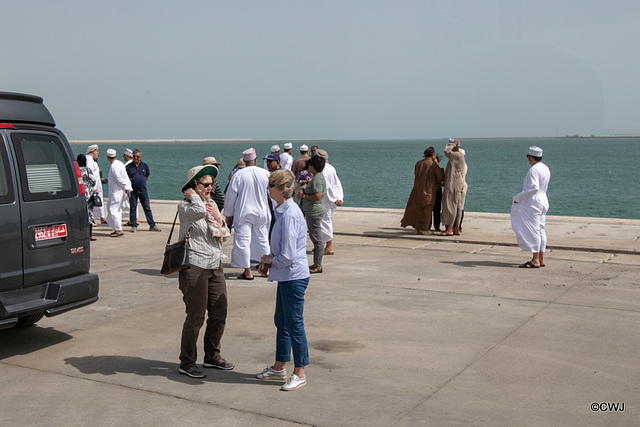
(590, 176)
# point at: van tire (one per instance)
(29, 320)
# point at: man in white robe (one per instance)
(455, 188)
(247, 205)
(529, 209)
(119, 188)
(92, 163)
(127, 157)
(333, 198)
(286, 160)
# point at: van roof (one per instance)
(23, 108)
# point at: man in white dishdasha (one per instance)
(529, 210)
(247, 205)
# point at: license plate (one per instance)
(51, 232)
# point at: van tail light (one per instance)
(7, 126)
(79, 175)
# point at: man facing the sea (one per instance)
(247, 205)
(529, 209)
(300, 162)
(428, 177)
(455, 188)
(285, 158)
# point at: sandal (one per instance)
(243, 277)
(115, 234)
(444, 233)
(528, 264)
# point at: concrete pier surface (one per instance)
(403, 330)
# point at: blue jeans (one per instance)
(133, 207)
(290, 322)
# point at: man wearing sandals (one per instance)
(529, 210)
(247, 205)
(119, 188)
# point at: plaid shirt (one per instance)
(205, 251)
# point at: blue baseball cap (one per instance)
(273, 156)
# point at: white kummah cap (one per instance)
(452, 140)
(304, 147)
(128, 152)
(249, 155)
(288, 145)
(92, 148)
(535, 151)
(111, 153)
(275, 148)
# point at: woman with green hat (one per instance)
(203, 285)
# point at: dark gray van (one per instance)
(44, 225)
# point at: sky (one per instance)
(343, 69)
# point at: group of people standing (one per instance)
(127, 183)
(528, 210)
(271, 211)
(421, 211)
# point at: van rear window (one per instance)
(45, 169)
(6, 186)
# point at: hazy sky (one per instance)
(327, 69)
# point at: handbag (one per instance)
(96, 200)
(176, 256)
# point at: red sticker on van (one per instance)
(51, 232)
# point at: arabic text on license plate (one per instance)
(51, 232)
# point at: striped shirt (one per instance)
(205, 251)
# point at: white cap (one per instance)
(304, 147)
(128, 152)
(111, 153)
(275, 148)
(288, 145)
(452, 140)
(535, 151)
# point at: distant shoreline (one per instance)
(137, 141)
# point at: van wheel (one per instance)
(29, 320)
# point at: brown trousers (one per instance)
(204, 291)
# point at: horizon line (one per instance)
(187, 140)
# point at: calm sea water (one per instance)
(590, 177)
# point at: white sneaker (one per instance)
(270, 374)
(294, 383)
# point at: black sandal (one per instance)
(528, 264)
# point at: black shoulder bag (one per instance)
(176, 256)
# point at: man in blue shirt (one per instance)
(138, 172)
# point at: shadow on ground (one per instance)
(27, 340)
(112, 365)
(474, 264)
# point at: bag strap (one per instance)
(186, 238)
